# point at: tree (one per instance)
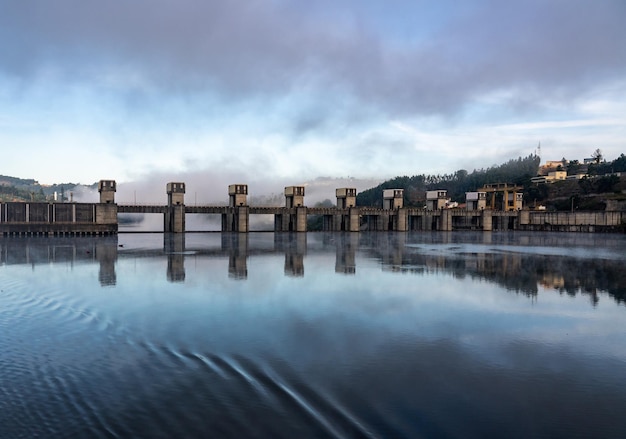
(597, 156)
(518, 171)
(607, 183)
(619, 164)
(573, 167)
(585, 185)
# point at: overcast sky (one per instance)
(291, 90)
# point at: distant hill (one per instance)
(21, 189)
(5, 180)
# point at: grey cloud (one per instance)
(244, 49)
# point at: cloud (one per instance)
(258, 48)
(294, 90)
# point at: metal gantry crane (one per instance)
(512, 195)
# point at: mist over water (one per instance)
(313, 335)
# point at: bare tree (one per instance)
(597, 156)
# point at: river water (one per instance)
(418, 335)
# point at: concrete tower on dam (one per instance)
(237, 219)
(476, 200)
(237, 195)
(346, 197)
(294, 196)
(347, 218)
(107, 188)
(294, 217)
(437, 199)
(393, 199)
(106, 213)
(175, 215)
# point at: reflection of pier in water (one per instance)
(486, 256)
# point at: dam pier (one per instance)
(101, 219)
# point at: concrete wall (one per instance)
(576, 221)
(58, 218)
(106, 214)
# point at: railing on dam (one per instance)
(141, 208)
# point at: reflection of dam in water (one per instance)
(534, 261)
(58, 250)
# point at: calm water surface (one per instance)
(453, 335)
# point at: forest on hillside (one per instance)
(516, 171)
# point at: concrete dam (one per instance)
(101, 219)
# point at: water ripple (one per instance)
(271, 397)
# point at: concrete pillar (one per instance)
(523, 217)
(174, 219)
(402, 220)
(236, 220)
(107, 191)
(242, 219)
(282, 222)
(382, 222)
(227, 222)
(487, 220)
(286, 224)
(445, 224)
(354, 219)
(328, 223)
(300, 220)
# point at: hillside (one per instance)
(5, 180)
(594, 193)
(518, 171)
(20, 189)
(603, 188)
